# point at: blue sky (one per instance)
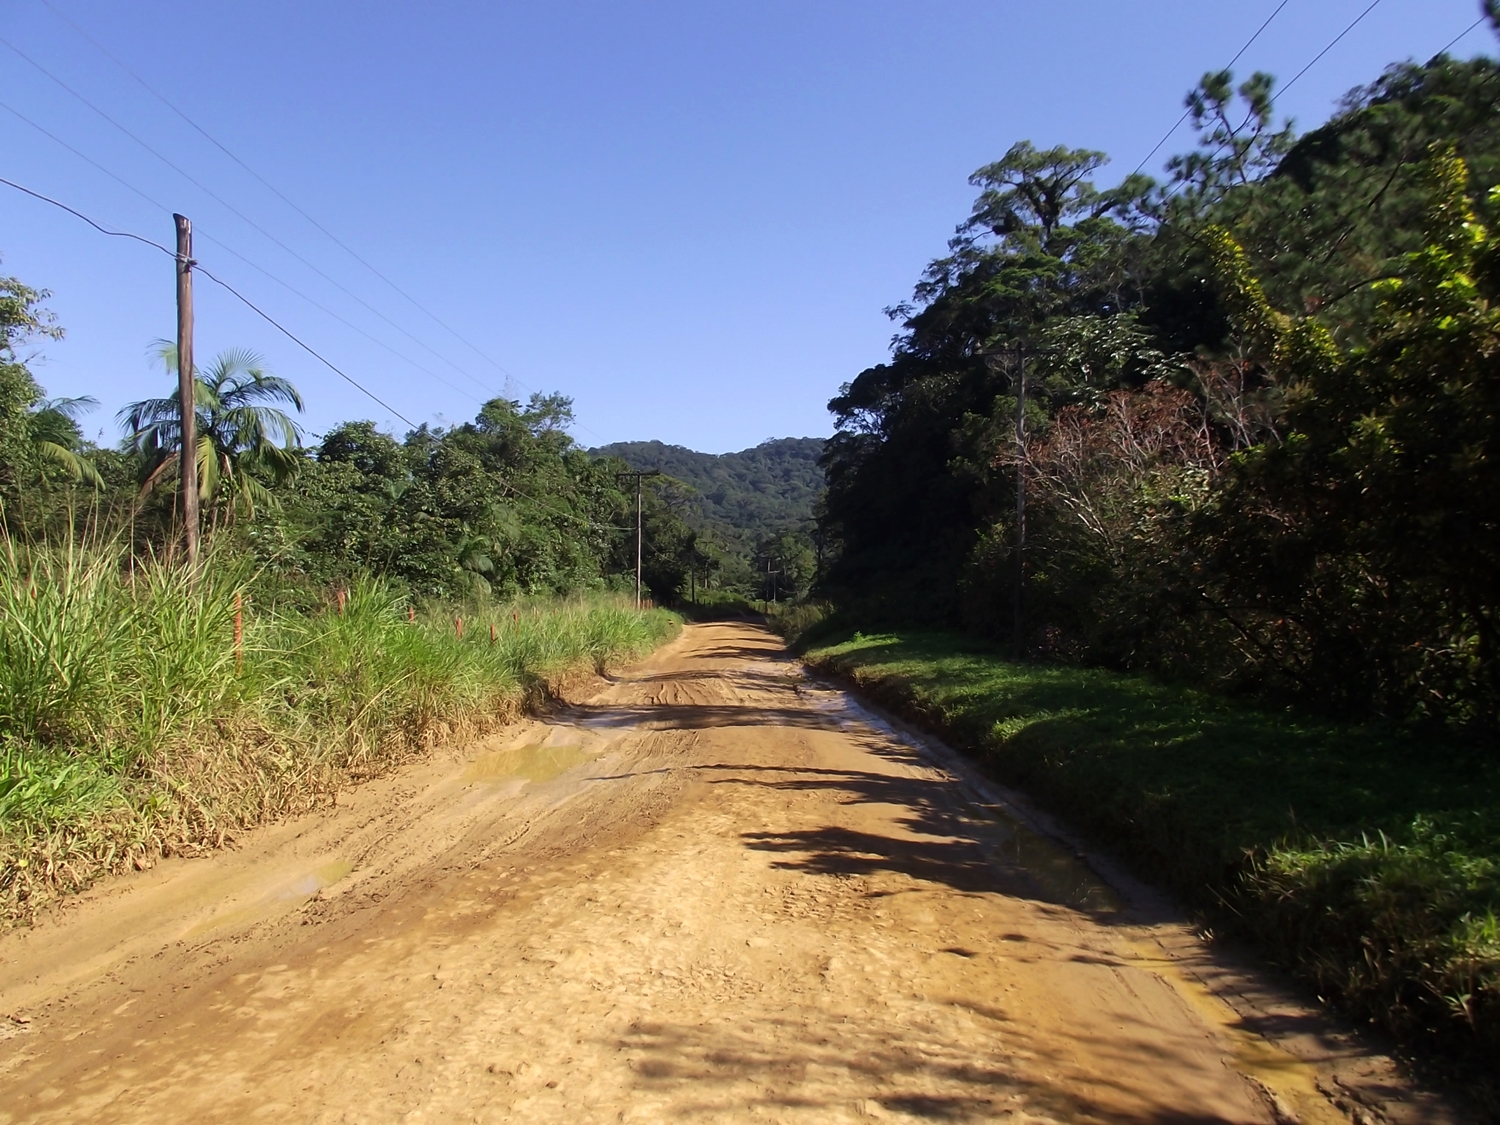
(686, 216)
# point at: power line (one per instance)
(79, 214)
(559, 511)
(85, 158)
(224, 284)
(346, 323)
(1187, 112)
(1452, 42)
(1272, 104)
(1356, 22)
(235, 253)
(285, 199)
(238, 213)
(288, 334)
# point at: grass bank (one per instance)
(1366, 860)
(134, 725)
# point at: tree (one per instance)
(39, 437)
(1229, 155)
(22, 318)
(912, 481)
(1355, 560)
(245, 440)
(57, 439)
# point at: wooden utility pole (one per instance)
(639, 477)
(188, 456)
(1020, 495)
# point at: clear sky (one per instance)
(686, 216)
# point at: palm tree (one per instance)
(241, 437)
(56, 438)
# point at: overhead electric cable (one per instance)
(558, 511)
(1462, 34)
(235, 253)
(294, 206)
(240, 214)
(85, 158)
(224, 284)
(79, 214)
(346, 323)
(200, 268)
(1356, 22)
(289, 335)
(1187, 112)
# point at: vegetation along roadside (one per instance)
(137, 726)
(1359, 858)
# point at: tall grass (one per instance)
(133, 726)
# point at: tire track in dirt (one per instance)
(710, 892)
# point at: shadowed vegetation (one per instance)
(1367, 859)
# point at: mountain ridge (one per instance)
(744, 495)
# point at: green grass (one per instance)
(131, 728)
(1366, 859)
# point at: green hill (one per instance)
(744, 495)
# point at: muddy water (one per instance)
(531, 762)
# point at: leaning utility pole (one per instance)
(187, 458)
(639, 476)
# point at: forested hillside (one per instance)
(744, 495)
(1258, 436)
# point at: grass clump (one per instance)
(1366, 859)
(133, 726)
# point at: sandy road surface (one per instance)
(712, 892)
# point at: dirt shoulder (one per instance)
(712, 891)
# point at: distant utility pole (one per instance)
(187, 459)
(639, 477)
(770, 582)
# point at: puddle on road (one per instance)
(535, 762)
(1059, 872)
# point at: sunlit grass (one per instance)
(132, 725)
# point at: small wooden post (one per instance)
(458, 627)
(411, 614)
(239, 633)
(492, 632)
(343, 599)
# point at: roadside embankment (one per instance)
(145, 714)
(1366, 860)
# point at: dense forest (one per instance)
(1239, 426)
(505, 505)
(749, 508)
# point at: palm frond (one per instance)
(164, 468)
(69, 408)
(208, 468)
(78, 467)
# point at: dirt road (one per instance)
(712, 892)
